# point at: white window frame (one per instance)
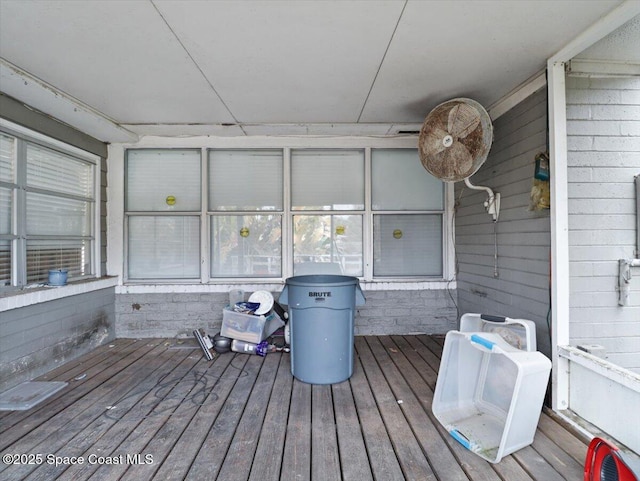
(117, 239)
(18, 259)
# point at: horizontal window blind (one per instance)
(327, 179)
(407, 245)
(7, 158)
(333, 239)
(163, 180)
(57, 216)
(57, 172)
(164, 247)
(5, 210)
(5, 263)
(43, 255)
(399, 182)
(245, 180)
(246, 246)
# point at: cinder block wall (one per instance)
(39, 338)
(385, 312)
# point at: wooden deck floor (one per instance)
(160, 411)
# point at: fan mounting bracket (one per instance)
(492, 204)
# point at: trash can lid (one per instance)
(322, 279)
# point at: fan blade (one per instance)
(452, 164)
(432, 142)
(463, 119)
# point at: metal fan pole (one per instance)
(492, 204)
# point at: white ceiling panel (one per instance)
(481, 50)
(280, 67)
(283, 61)
(615, 46)
(117, 56)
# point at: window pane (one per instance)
(51, 215)
(163, 180)
(42, 255)
(51, 170)
(245, 180)
(327, 179)
(5, 263)
(5, 210)
(246, 246)
(166, 247)
(7, 156)
(332, 240)
(399, 182)
(407, 245)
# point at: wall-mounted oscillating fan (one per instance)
(454, 143)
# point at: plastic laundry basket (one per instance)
(321, 323)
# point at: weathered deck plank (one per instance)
(410, 456)
(243, 417)
(296, 462)
(324, 440)
(239, 458)
(353, 453)
(416, 373)
(225, 371)
(268, 458)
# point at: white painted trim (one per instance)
(579, 67)
(560, 294)
(255, 142)
(244, 129)
(287, 220)
(559, 232)
(602, 367)
(39, 294)
(115, 211)
(205, 220)
(45, 97)
(273, 287)
(519, 94)
(449, 244)
(367, 232)
(96, 257)
(571, 421)
(49, 141)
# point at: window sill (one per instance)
(37, 295)
(176, 288)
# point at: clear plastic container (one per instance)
(248, 327)
(489, 394)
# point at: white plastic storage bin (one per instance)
(247, 327)
(489, 394)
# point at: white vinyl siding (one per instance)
(521, 287)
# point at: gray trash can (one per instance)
(321, 324)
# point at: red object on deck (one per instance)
(605, 462)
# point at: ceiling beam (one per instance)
(44, 97)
